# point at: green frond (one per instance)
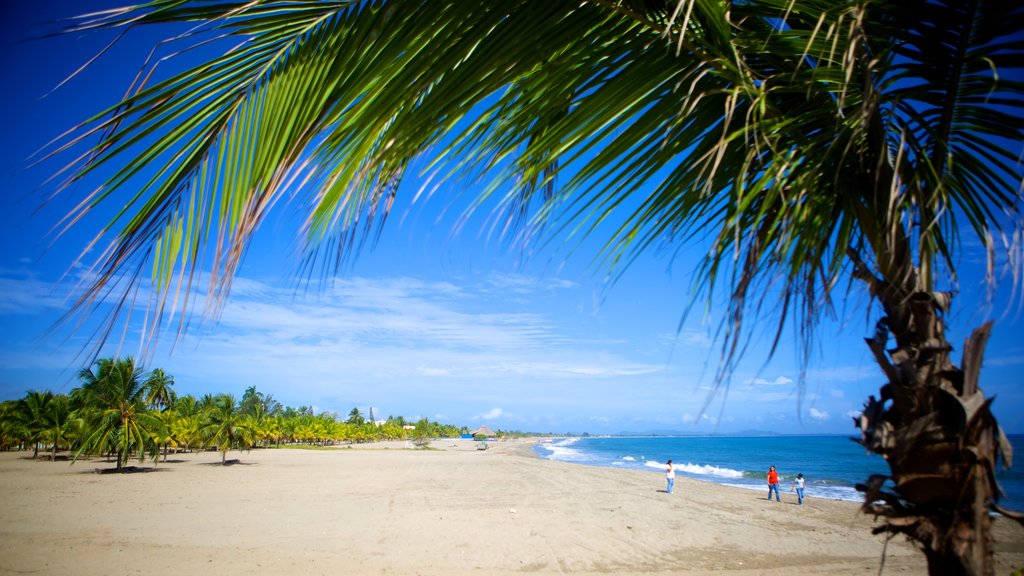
(782, 135)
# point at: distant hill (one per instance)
(679, 433)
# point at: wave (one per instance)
(847, 493)
(830, 469)
(699, 469)
(563, 450)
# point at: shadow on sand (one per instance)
(232, 462)
(128, 470)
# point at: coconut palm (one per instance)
(33, 413)
(161, 390)
(112, 404)
(810, 147)
(163, 431)
(62, 425)
(356, 417)
(226, 427)
(186, 428)
(10, 426)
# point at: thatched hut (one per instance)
(483, 431)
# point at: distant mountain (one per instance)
(679, 433)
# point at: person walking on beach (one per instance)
(773, 484)
(798, 484)
(670, 476)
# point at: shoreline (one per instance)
(384, 509)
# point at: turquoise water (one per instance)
(831, 465)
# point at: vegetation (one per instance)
(812, 147)
(120, 411)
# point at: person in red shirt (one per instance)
(773, 484)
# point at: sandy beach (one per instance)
(382, 509)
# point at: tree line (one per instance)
(121, 411)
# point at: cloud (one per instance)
(779, 381)
(819, 415)
(1009, 360)
(21, 295)
(491, 414)
(524, 284)
(696, 339)
(836, 374)
(428, 371)
(853, 413)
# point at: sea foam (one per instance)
(563, 450)
(699, 469)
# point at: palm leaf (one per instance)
(782, 135)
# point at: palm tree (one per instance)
(112, 403)
(33, 414)
(814, 147)
(355, 417)
(62, 426)
(186, 428)
(10, 426)
(226, 427)
(164, 432)
(161, 390)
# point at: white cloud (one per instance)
(778, 381)
(30, 296)
(853, 413)
(1009, 360)
(428, 371)
(818, 414)
(696, 339)
(491, 414)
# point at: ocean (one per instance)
(831, 465)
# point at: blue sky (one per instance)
(454, 328)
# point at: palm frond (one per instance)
(782, 135)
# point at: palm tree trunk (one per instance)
(935, 428)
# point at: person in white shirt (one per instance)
(798, 484)
(670, 476)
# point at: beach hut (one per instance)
(483, 431)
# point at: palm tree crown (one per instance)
(113, 400)
(788, 136)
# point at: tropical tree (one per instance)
(62, 426)
(112, 403)
(226, 427)
(10, 428)
(815, 149)
(161, 393)
(33, 413)
(355, 417)
(185, 429)
(164, 431)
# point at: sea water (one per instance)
(831, 465)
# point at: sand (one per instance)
(453, 510)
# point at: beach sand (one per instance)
(382, 509)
